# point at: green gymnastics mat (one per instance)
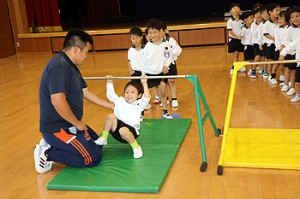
(120, 172)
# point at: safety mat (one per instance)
(120, 172)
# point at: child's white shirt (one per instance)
(246, 34)
(235, 26)
(156, 56)
(279, 36)
(135, 58)
(257, 31)
(175, 48)
(269, 29)
(293, 46)
(291, 35)
(128, 113)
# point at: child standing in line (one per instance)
(234, 27)
(246, 35)
(280, 32)
(176, 51)
(256, 37)
(124, 123)
(295, 45)
(135, 55)
(269, 34)
(265, 15)
(292, 34)
(157, 60)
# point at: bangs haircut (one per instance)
(136, 31)
(155, 24)
(136, 85)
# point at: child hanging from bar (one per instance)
(124, 123)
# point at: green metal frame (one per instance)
(199, 95)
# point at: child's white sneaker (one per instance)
(295, 99)
(137, 152)
(40, 159)
(101, 141)
(285, 88)
(274, 81)
(292, 91)
(175, 103)
(167, 116)
(281, 78)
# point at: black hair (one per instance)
(136, 85)
(257, 9)
(78, 38)
(165, 28)
(294, 9)
(136, 31)
(155, 24)
(234, 4)
(272, 6)
(245, 15)
(286, 15)
(256, 6)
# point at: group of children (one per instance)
(152, 54)
(267, 33)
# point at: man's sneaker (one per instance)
(281, 78)
(265, 74)
(148, 106)
(44, 143)
(295, 99)
(243, 69)
(274, 81)
(101, 141)
(40, 159)
(292, 91)
(285, 88)
(167, 116)
(137, 152)
(168, 102)
(156, 101)
(175, 103)
(253, 74)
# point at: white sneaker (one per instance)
(274, 81)
(243, 69)
(101, 141)
(168, 102)
(175, 103)
(281, 78)
(231, 72)
(269, 78)
(40, 160)
(285, 88)
(295, 99)
(137, 152)
(147, 107)
(292, 91)
(167, 116)
(156, 101)
(44, 143)
(249, 72)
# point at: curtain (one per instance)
(43, 15)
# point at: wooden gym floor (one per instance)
(256, 104)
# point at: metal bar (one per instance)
(271, 62)
(138, 77)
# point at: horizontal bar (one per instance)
(272, 62)
(138, 77)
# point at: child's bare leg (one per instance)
(163, 94)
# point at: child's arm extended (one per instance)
(145, 85)
(234, 35)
